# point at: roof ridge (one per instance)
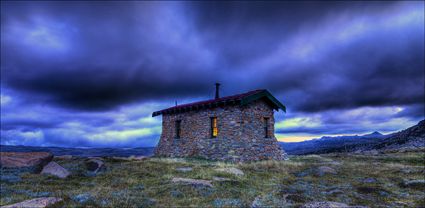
(231, 99)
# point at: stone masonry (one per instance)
(240, 138)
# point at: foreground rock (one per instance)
(415, 184)
(131, 158)
(234, 171)
(323, 170)
(35, 203)
(64, 157)
(55, 169)
(326, 204)
(25, 159)
(184, 169)
(95, 164)
(190, 181)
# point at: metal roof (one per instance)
(239, 99)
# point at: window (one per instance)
(266, 127)
(214, 128)
(178, 128)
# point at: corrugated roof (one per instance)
(241, 99)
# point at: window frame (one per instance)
(214, 127)
(266, 127)
(178, 124)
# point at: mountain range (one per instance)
(410, 138)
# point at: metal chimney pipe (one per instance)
(217, 90)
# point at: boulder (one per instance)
(323, 170)
(184, 169)
(221, 179)
(325, 204)
(234, 171)
(415, 184)
(95, 164)
(35, 203)
(64, 157)
(190, 181)
(55, 169)
(25, 159)
(227, 203)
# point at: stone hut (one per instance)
(234, 128)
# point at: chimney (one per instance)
(217, 90)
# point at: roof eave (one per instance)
(262, 94)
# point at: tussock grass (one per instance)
(290, 183)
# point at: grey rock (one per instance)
(369, 180)
(95, 164)
(82, 198)
(190, 181)
(227, 203)
(35, 203)
(323, 170)
(325, 204)
(231, 170)
(184, 169)
(55, 169)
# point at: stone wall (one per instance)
(241, 135)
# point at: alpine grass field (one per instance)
(383, 180)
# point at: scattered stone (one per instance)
(64, 157)
(25, 159)
(235, 171)
(184, 169)
(227, 203)
(415, 184)
(131, 158)
(140, 157)
(257, 203)
(369, 180)
(35, 203)
(371, 152)
(192, 181)
(326, 204)
(95, 164)
(269, 200)
(176, 194)
(82, 198)
(323, 170)
(221, 179)
(55, 169)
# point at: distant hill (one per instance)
(410, 138)
(82, 152)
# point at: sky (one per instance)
(90, 74)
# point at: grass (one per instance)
(270, 183)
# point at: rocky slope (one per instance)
(82, 152)
(409, 139)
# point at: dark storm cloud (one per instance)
(101, 55)
(91, 73)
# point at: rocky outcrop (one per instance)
(64, 157)
(326, 204)
(95, 164)
(25, 159)
(189, 181)
(36, 203)
(324, 170)
(232, 170)
(55, 169)
(184, 169)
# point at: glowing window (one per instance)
(214, 127)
